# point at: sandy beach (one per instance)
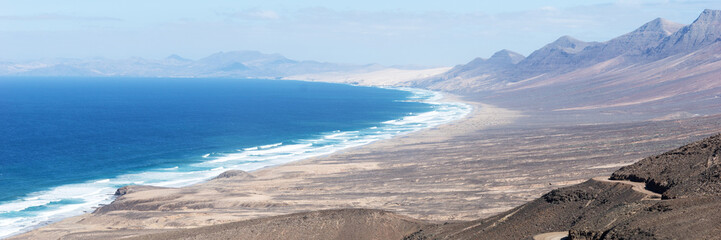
(472, 168)
(354, 178)
(324, 120)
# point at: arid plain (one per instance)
(569, 112)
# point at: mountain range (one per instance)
(653, 41)
(237, 64)
(660, 68)
(569, 90)
(664, 64)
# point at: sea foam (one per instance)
(43, 207)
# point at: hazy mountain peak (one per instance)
(238, 55)
(555, 56)
(660, 25)
(566, 41)
(709, 16)
(476, 61)
(652, 42)
(647, 36)
(704, 31)
(175, 57)
(244, 57)
(568, 44)
(506, 57)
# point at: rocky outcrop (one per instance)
(134, 188)
(596, 209)
(691, 170)
(689, 179)
(695, 218)
(234, 175)
(565, 195)
(556, 211)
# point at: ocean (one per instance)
(66, 144)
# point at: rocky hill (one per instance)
(691, 171)
(688, 177)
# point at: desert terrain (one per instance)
(525, 163)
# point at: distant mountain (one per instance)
(564, 55)
(59, 68)
(505, 57)
(477, 74)
(176, 58)
(558, 55)
(704, 31)
(638, 41)
(499, 60)
(660, 69)
(242, 64)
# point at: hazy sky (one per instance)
(434, 33)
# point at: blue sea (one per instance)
(66, 144)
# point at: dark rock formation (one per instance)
(595, 210)
(691, 170)
(235, 175)
(556, 211)
(133, 188)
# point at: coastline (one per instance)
(470, 169)
(277, 175)
(342, 149)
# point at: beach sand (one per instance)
(383, 77)
(394, 174)
(465, 170)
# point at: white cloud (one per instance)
(256, 14)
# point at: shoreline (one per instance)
(428, 100)
(436, 133)
(446, 97)
(464, 170)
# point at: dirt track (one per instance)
(637, 186)
(551, 236)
